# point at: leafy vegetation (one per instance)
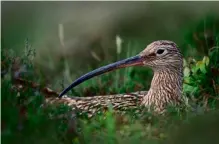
(25, 120)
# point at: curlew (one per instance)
(166, 61)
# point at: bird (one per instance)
(166, 61)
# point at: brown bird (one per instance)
(166, 61)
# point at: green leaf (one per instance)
(189, 88)
(187, 80)
(194, 69)
(186, 72)
(201, 66)
(184, 63)
(206, 60)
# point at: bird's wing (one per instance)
(91, 104)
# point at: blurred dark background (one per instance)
(83, 34)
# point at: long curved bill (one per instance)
(133, 61)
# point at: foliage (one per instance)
(201, 77)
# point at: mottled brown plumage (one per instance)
(91, 105)
(166, 87)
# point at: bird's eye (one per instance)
(160, 51)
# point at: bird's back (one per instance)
(94, 104)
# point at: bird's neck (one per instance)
(166, 87)
(167, 78)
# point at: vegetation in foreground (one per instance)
(26, 120)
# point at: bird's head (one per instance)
(162, 54)
(157, 55)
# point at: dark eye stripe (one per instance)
(152, 54)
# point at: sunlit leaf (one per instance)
(206, 60)
(184, 63)
(201, 65)
(194, 68)
(186, 71)
(203, 68)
